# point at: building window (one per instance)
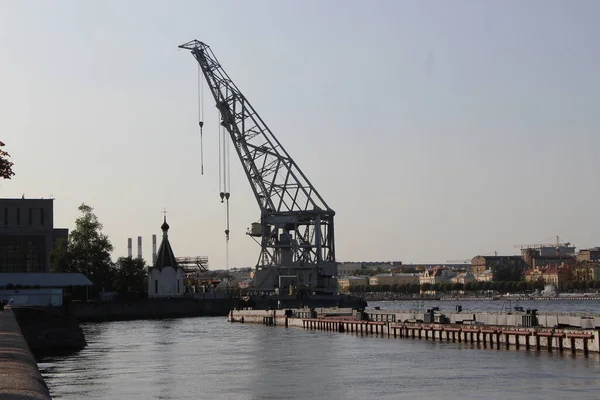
(5, 216)
(178, 286)
(18, 216)
(30, 219)
(156, 286)
(41, 216)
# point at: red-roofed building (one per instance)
(549, 275)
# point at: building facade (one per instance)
(464, 277)
(548, 275)
(438, 274)
(346, 283)
(348, 268)
(393, 279)
(27, 234)
(586, 272)
(589, 255)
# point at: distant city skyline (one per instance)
(437, 131)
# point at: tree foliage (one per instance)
(129, 275)
(87, 251)
(6, 165)
(505, 272)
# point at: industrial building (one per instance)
(27, 234)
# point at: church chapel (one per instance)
(165, 277)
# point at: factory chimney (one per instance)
(129, 247)
(139, 248)
(153, 249)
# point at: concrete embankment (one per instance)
(20, 378)
(149, 309)
(514, 318)
(495, 336)
(48, 331)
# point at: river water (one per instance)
(209, 358)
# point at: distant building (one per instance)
(27, 234)
(586, 272)
(348, 268)
(511, 266)
(552, 261)
(346, 283)
(485, 276)
(589, 255)
(165, 277)
(539, 257)
(393, 279)
(435, 275)
(464, 277)
(548, 275)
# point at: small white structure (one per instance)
(165, 278)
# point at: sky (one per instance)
(437, 130)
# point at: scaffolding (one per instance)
(193, 264)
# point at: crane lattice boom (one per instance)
(296, 227)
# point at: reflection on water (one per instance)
(208, 358)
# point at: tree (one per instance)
(590, 284)
(407, 269)
(501, 286)
(60, 257)
(504, 272)
(87, 251)
(129, 275)
(426, 287)
(6, 171)
(468, 286)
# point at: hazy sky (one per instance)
(435, 129)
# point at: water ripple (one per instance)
(209, 358)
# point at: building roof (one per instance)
(499, 257)
(46, 280)
(435, 271)
(165, 256)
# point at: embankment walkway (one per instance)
(20, 378)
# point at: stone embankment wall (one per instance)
(48, 331)
(20, 378)
(149, 309)
(545, 319)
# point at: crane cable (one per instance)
(226, 180)
(201, 116)
(221, 189)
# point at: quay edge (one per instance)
(495, 336)
(20, 378)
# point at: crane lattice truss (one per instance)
(296, 223)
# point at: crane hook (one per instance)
(222, 194)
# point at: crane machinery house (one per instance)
(165, 277)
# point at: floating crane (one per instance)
(295, 232)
